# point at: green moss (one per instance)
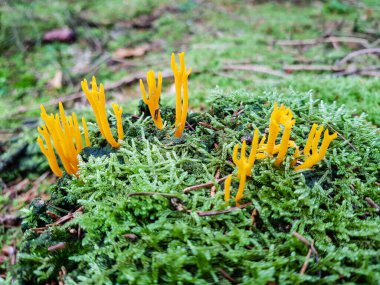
(150, 239)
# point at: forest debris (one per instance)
(213, 188)
(331, 39)
(308, 243)
(256, 68)
(131, 237)
(125, 52)
(151, 194)
(214, 213)
(227, 276)
(10, 221)
(309, 67)
(63, 35)
(306, 263)
(56, 81)
(57, 246)
(356, 53)
(372, 203)
(203, 185)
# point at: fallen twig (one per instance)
(256, 68)
(208, 126)
(304, 67)
(214, 213)
(213, 188)
(60, 221)
(203, 185)
(306, 263)
(372, 203)
(151, 194)
(10, 221)
(308, 243)
(356, 53)
(57, 246)
(227, 276)
(339, 134)
(331, 40)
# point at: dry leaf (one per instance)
(56, 81)
(64, 35)
(131, 52)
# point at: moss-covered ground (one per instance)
(231, 45)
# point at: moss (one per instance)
(137, 238)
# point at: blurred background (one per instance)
(47, 47)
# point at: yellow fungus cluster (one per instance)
(153, 98)
(312, 144)
(96, 98)
(281, 117)
(244, 165)
(181, 76)
(67, 140)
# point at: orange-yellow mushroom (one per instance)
(67, 140)
(96, 98)
(153, 98)
(312, 143)
(181, 88)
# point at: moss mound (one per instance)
(126, 220)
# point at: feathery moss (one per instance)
(138, 227)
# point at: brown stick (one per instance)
(256, 68)
(339, 134)
(332, 39)
(57, 246)
(303, 67)
(213, 188)
(305, 241)
(356, 53)
(372, 203)
(306, 263)
(151, 194)
(208, 126)
(203, 185)
(214, 213)
(227, 276)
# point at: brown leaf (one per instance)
(131, 52)
(56, 81)
(64, 35)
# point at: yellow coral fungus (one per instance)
(154, 92)
(280, 116)
(118, 111)
(312, 144)
(227, 188)
(96, 98)
(181, 87)
(245, 164)
(67, 139)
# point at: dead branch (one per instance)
(214, 213)
(57, 246)
(213, 188)
(306, 263)
(356, 53)
(151, 194)
(256, 68)
(372, 203)
(227, 276)
(303, 67)
(308, 243)
(332, 40)
(204, 185)
(339, 134)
